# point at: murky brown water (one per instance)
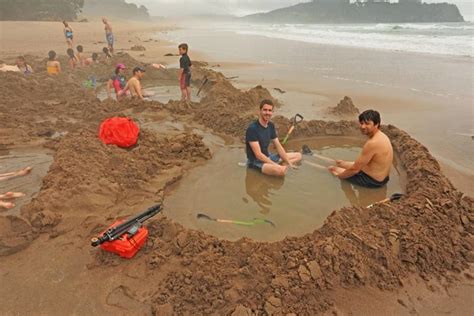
(162, 94)
(297, 204)
(11, 160)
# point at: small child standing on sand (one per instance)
(184, 72)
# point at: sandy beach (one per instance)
(411, 256)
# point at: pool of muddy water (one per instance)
(162, 94)
(296, 205)
(39, 159)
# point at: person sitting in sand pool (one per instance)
(68, 34)
(52, 65)
(80, 55)
(117, 82)
(5, 199)
(134, 85)
(109, 36)
(73, 60)
(105, 50)
(92, 60)
(23, 65)
(257, 139)
(372, 168)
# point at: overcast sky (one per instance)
(242, 7)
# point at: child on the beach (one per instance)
(73, 60)
(92, 60)
(79, 55)
(184, 72)
(118, 83)
(23, 65)
(52, 65)
(68, 34)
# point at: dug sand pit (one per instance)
(46, 248)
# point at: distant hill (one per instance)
(35, 10)
(114, 8)
(341, 11)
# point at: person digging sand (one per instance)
(372, 168)
(257, 139)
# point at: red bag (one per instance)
(120, 131)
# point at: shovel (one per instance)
(393, 197)
(295, 121)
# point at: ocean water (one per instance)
(431, 38)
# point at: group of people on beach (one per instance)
(133, 87)
(78, 59)
(371, 169)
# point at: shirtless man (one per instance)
(372, 168)
(134, 85)
(109, 36)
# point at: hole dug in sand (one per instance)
(296, 204)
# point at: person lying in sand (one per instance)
(23, 65)
(14, 174)
(257, 139)
(5, 199)
(372, 168)
(52, 65)
(5, 67)
(134, 85)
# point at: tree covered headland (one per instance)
(39, 10)
(58, 10)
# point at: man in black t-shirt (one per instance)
(185, 72)
(257, 139)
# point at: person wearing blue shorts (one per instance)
(258, 137)
(109, 36)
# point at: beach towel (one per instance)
(120, 131)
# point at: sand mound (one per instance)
(345, 107)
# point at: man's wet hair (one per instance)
(52, 55)
(70, 52)
(183, 46)
(79, 48)
(370, 115)
(138, 69)
(266, 101)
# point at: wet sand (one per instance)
(47, 264)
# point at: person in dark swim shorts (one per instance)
(372, 168)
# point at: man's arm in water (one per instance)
(259, 155)
(365, 157)
(281, 151)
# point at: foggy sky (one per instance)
(242, 7)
